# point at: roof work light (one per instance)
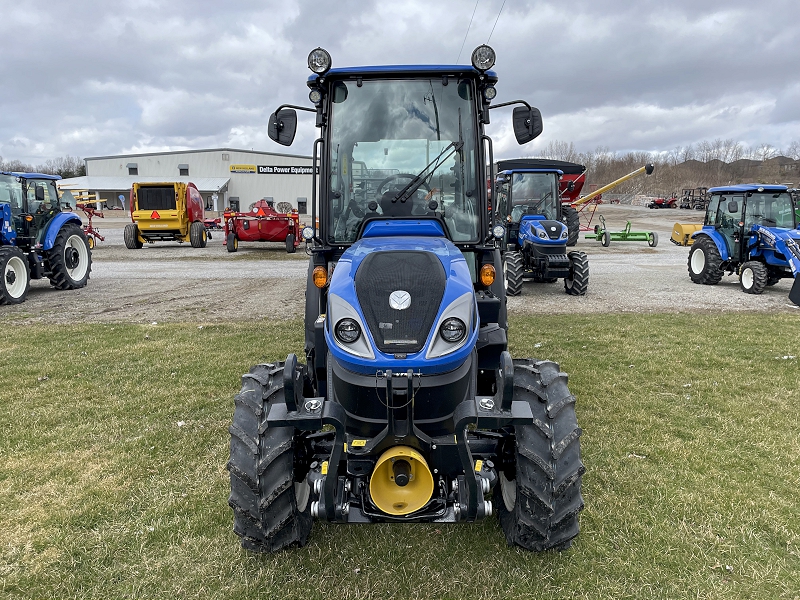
(483, 58)
(319, 61)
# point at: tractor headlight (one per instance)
(542, 235)
(347, 331)
(490, 93)
(319, 61)
(453, 330)
(564, 234)
(315, 96)
(483, 57)
(498, 231)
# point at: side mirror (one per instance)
(39, 193)
(283, 126)
(733, 207)
(527, 124)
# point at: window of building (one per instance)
(133, 169)
(302, 206)
(183, 170)
(226, 156)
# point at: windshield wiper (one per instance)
(414, 184)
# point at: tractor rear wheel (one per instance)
(15, 276)
(290, 244)
(232, 243)
(753, 277)
(131, 237)
(512, 273)
(571, 218)
(538, 497)
(69, 260)
(705, 262)
(198, 236)
(578, 280)
(270, 506)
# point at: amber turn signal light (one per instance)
(487, 275)
(320, 276)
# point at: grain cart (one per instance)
(261, 224)
(750, 230)
(37, 239)
(409, 408)
(161, 212)
(535, 245)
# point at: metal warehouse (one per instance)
(224, 176)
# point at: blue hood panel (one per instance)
(458, 284)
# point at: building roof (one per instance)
(115, 184)
(134, 155)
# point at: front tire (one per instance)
(15, 276)
(753, 277)
(705, 262)
(512, 273)
(70, 260)
(198, 236)
(572, 220)
(232, 243)
(578, 281)
(270, 506)
(538, 497)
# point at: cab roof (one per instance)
(747, 187)
(31, 175)
(559, 171)
(404, 70)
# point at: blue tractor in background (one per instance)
(409, 407)
(37, 239)
(535, 245)
(751, 230)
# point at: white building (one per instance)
(224, 176)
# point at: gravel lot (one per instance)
(175, 282)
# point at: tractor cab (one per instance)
(734, 211)
(529, 199)
(33, 201)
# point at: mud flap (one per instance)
(794, 293)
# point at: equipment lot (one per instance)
(169, 282)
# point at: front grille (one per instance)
(421, 275)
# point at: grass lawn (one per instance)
(113, 444)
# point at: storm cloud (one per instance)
(93, 78)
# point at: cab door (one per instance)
(730, 224)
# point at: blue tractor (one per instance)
(409, 407)
(37, 239)
(751, 230)
(535, 245)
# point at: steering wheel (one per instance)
(391, 178)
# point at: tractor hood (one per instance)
(401, 283)
(536, 228)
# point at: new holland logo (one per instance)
(400, 300)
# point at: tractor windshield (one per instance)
(770, 210)
(11, 192)
(403, 148)
(534, 194)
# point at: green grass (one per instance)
(113, 444)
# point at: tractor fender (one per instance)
(717, 238)
(55, 226)
(7, 232)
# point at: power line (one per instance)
(495, 21)
(468, 27)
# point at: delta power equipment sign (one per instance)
(272, 169)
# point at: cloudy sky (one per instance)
(99, 77)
